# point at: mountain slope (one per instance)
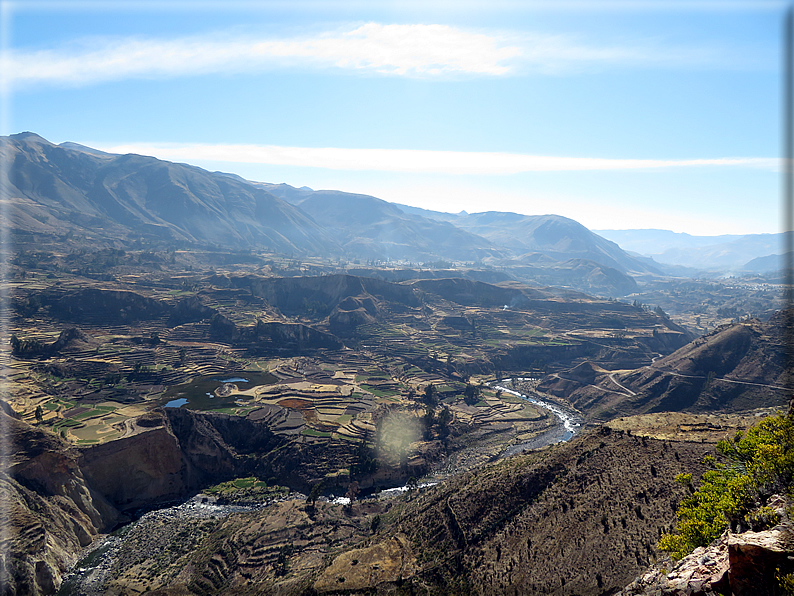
(768, 263)
(654, 241)
(582, 274)
(731, 255)
(736, 367)
(578, 518)
(553, 235)
(376, 229)
(725, 252)
(55, 189)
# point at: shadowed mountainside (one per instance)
(58, 189)
(736, 367)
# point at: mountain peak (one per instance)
(29, 136)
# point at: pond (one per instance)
(199, 394)
(176, 403)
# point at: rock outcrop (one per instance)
(745, 564)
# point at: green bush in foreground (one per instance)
(759, 463)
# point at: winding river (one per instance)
(569, 422)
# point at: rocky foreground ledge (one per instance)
(737, 564)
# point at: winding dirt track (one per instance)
(669, 372)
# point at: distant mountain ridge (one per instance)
(377, 229)
(117, 199)
(726, 252)
(656, 241)
(553, 235)
(546, 249)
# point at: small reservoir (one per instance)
(199, 394)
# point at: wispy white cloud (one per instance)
(418, 161)
(414, 50)
(417, 50)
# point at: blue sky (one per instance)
(619, 114)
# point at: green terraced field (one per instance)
(310, 432)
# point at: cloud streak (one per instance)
(414, 50)
(402, 50)
(419, 161)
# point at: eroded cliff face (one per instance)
(51, 510)
(64, 496)
(138, 470)
(167, 454)
(60, 497)
(217, 447)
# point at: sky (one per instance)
(618, 114)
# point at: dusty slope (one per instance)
(580, 518)
(736, 367)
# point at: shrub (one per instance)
(758, 464)
(762, 519)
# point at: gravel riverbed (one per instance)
(156, 538)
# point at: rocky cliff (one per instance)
(51, 510)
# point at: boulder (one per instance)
(755, 558)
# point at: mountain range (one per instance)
(119, 199)
(116, 200)
(56, 189)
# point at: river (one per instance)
(569, 422)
